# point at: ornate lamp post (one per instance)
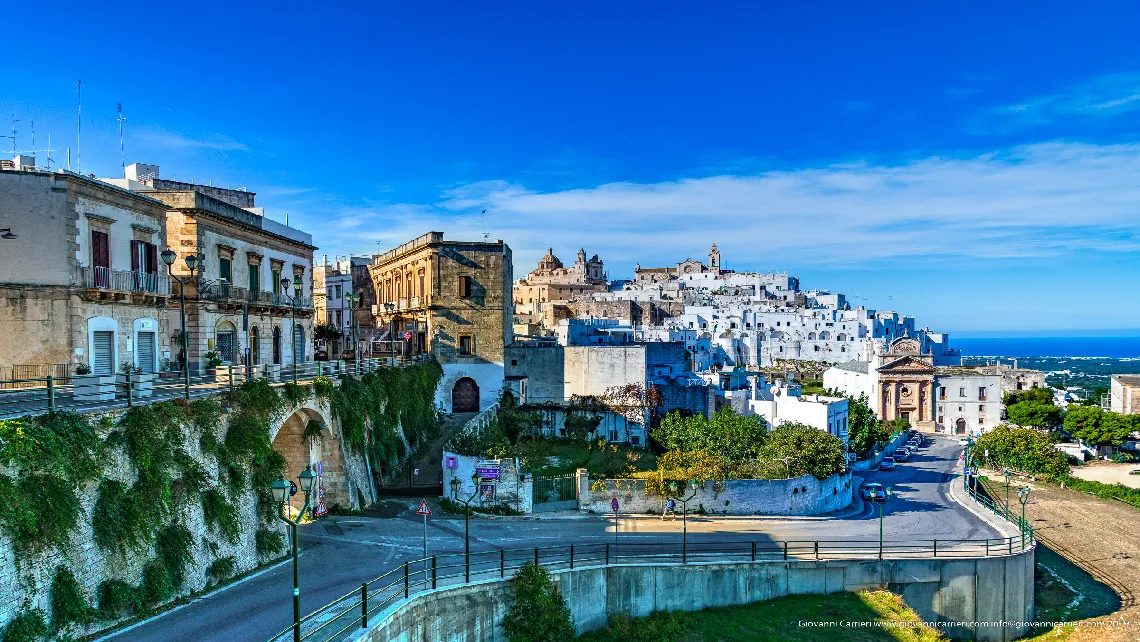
(296, 284)
(281, 490)
(168, 257)
(455, 484)
(354, 305)
(685, 516)
(1023, 497)
(881, 503)
(1008, 479)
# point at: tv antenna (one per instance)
(79, 126)
(13, 136)
(122, 153)
(486, 230)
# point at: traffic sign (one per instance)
(969, 471)
(614, 504)
(292, 488)
(424, 509)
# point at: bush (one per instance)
(220, 515)
(42, 510)
(222, 569)
(1024, 449)
(157, 585)
(660, 626)
(1110, 492)
(173, 548)
(68, 604)
(117, 598)
(538, 611)
(28, 626)
(268, 543)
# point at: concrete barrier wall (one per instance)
(804, 495)
(956, 593)
(876, 459)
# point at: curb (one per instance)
(981, 513)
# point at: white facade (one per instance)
(782, 403)
(966, 403)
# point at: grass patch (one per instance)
(779, 620)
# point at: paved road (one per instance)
(340, 553)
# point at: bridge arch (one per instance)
(308, 436)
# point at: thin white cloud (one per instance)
(1105, 95)
(165, 138)
(1045, 200)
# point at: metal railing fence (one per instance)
(351, 612)
(99, 392)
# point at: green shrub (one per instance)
(220, 515)
(1121, 492)
(1024, 449)
(29, 625)
(116, 520)
(41, 510)
(117, 599)
(173, 547)
(660, 626)
(157, 585)
(538, 612)
(268, 543)
(68, 604)
(222, 569)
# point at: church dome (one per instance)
(549, 262)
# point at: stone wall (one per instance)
(800, 496)
(514, 488)
(988, 599)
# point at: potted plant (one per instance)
(142, 383)
(91, 387)
(213, 360)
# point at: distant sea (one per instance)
(1111, 347)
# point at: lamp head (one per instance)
(285, 283)
(455, 483)
(307, 477)
(280, 490)
(192, 261)
(694, 485)
(168, 255)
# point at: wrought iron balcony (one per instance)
(102, 278)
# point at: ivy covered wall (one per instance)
(112, 515)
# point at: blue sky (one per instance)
(976, 165)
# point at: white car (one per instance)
(888, 463)
(964, 441)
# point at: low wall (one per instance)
(983, 598)
(514, 488)
(804, 495)
(877, 458)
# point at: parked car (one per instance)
(913, 444)
(874, 492)
(902, 454)
(964, 441)
(888, 463)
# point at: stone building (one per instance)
(331, 283)
(236, 305)
(454, 300)
(81, 282)
(1014, 378)
(552, 282)
(1124, 394)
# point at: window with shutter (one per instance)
(254, 278)
(103, 353)
(299, 344)
(224, 271)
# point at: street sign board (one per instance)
(969, 471)
(424, 509)
(614, 504)
(451, 462)
(487, 469)
(292, 488)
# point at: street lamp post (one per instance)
(1008, 479)
(296, 283)
(685, 516)
(353, 305)
(455, 484)
(168, 257)
(280, 490)
(1023, 497)
(886, 495)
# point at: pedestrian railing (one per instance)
(100, 392)
(348, 614)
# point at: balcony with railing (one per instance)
(108, 280)
(222, 292)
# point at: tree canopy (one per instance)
(1034, 413)
(810, 451)
(1023, 449)
(1040, 395)
(727, 434)
(864, 430)
(1097, 427)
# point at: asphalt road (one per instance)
(340, 553)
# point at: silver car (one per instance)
(874, 492)
(888, 463)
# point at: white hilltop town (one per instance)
(747, 337)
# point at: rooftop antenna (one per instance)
(13, 136)
(79, 126)
(122, 153)
(486, 231)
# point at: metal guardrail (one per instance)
(351, 613)
(94, 393)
